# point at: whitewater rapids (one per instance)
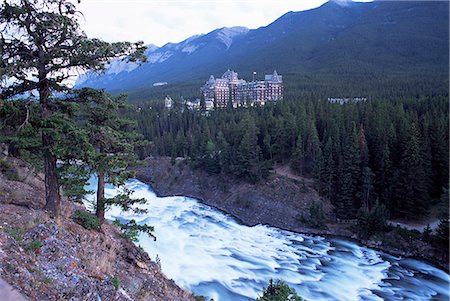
(211, 254)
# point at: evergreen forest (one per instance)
(391, 151)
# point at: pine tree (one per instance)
(298, 158)
(348, 196)
(50, 47)
(113, 141)
(366, 172)
(312, 148)
(410, 189)
(248, 163)
(326, 170)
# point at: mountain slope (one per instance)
(171, 61)
(363, 41)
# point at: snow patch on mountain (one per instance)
(114, 67)
(117, 66)
(227, 34)
(343, 2)
(190, 48)
(159, 57)
(187, 42)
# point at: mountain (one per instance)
(338, 41)
(167, 63)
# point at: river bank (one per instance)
(278, 201)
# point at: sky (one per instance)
(161, 21)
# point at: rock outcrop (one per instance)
(46, 259)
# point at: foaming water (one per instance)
(211, 254)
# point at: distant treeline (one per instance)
(392, 151)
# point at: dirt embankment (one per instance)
(45, 259)
(283, 200)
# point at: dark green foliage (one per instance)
(442, 234)
(412, 177)
(73, 181)
(115, 282)
(113, 141)
(125, 202)
(316, 215)
(377, 149)
(441, 238)
(34, 245)
(279, 291)
(16, 233)
(427, 234)
(202, 298)
(8, 170)
(347, 196)
(51, 45)
(373, 221)
(86, 219)
(407, 234)
(131, 229)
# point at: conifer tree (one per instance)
(312, 148)
(326, 169)
(248, 163)
(113, 141)
(348, 197)
(410, 189)
(366, 172)
(41, 45)
(298, 158)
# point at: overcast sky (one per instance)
(161, 21)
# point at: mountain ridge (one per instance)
(336, 41)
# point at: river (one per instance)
(211, 254)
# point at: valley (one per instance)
(320, 171)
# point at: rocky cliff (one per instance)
(45, 259)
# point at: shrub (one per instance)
(315, 217)
(34, 245)
(9, 171)
(86, 219)
(373, 221)
(407, 234)
(316, 214)
(115, 282)
(441, 239)
(15, 233)
(279, 291)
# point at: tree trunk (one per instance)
(100, 209)
(52, 195)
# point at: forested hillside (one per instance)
(355, 48)
(390, 151)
